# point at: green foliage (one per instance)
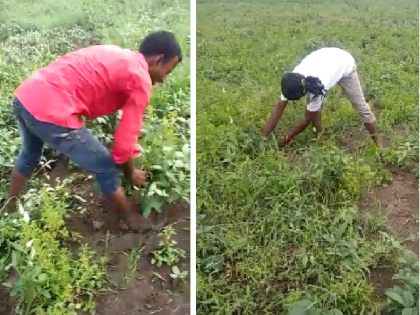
(167, 253)
(166, 157)
(404, 152)
(306, 307)
(333, 174)
(178, 274)
(50, 278)
(404, 299)
(35, 258)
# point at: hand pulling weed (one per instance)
(166, 157)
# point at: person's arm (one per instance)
(126, 148)
(275, 117)
(311, 110)
(128, 168)
(301, 125)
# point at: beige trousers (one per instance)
(353, 89)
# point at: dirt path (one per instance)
(139, 288)
(150, 289)
(7, 303)
(400, 202)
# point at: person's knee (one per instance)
(27, 162)
(109, 181)
(102, 164)
(368, 117)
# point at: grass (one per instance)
(34, 243)
(280, 231)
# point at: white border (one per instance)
(193, 206)
(419, 102)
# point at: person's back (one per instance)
(91, 82)
(329, 64)
(314, 76)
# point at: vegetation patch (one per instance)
(300, 230)
(62, 253)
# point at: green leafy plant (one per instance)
(50, 278)
(167, 253)
(404, 299)
(282, 225)
(44, 266)
(166, 157)
(404, 153)
(178, 274)
(307, 307)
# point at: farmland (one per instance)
(62, 253)
(323, 226)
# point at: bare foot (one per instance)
(9, 205)
(133, 220)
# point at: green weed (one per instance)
(51, 279)
(167, 253)
(404, 299)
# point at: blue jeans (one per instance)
(79, 145)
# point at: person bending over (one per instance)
(51, 106)
(313, 77)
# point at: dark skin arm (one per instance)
(302, 124)
(274, 118)
(134, 175)
(128, 168)
(299, 127)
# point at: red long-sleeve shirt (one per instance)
(92, 82)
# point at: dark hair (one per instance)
(295, 85)
(161, 43)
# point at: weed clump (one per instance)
(51, 279)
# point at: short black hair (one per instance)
(161, 43)
(291, 86)
(294, 86)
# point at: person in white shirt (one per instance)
(314, 76)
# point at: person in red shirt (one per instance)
(52, 104)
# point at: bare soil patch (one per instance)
(400, 203)
(352, 141)
(356, 139)
(149, 290)
(7, 303)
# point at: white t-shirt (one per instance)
(329, 65)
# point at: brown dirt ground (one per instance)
(356, 139)
(150, 290)
(400, 202)
(6, 302)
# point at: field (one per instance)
(324, 226)
(63, 253)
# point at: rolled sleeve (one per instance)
(315, 104)
(126, 137)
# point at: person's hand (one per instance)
(285, 140)
(139, 178)
(82, 118)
